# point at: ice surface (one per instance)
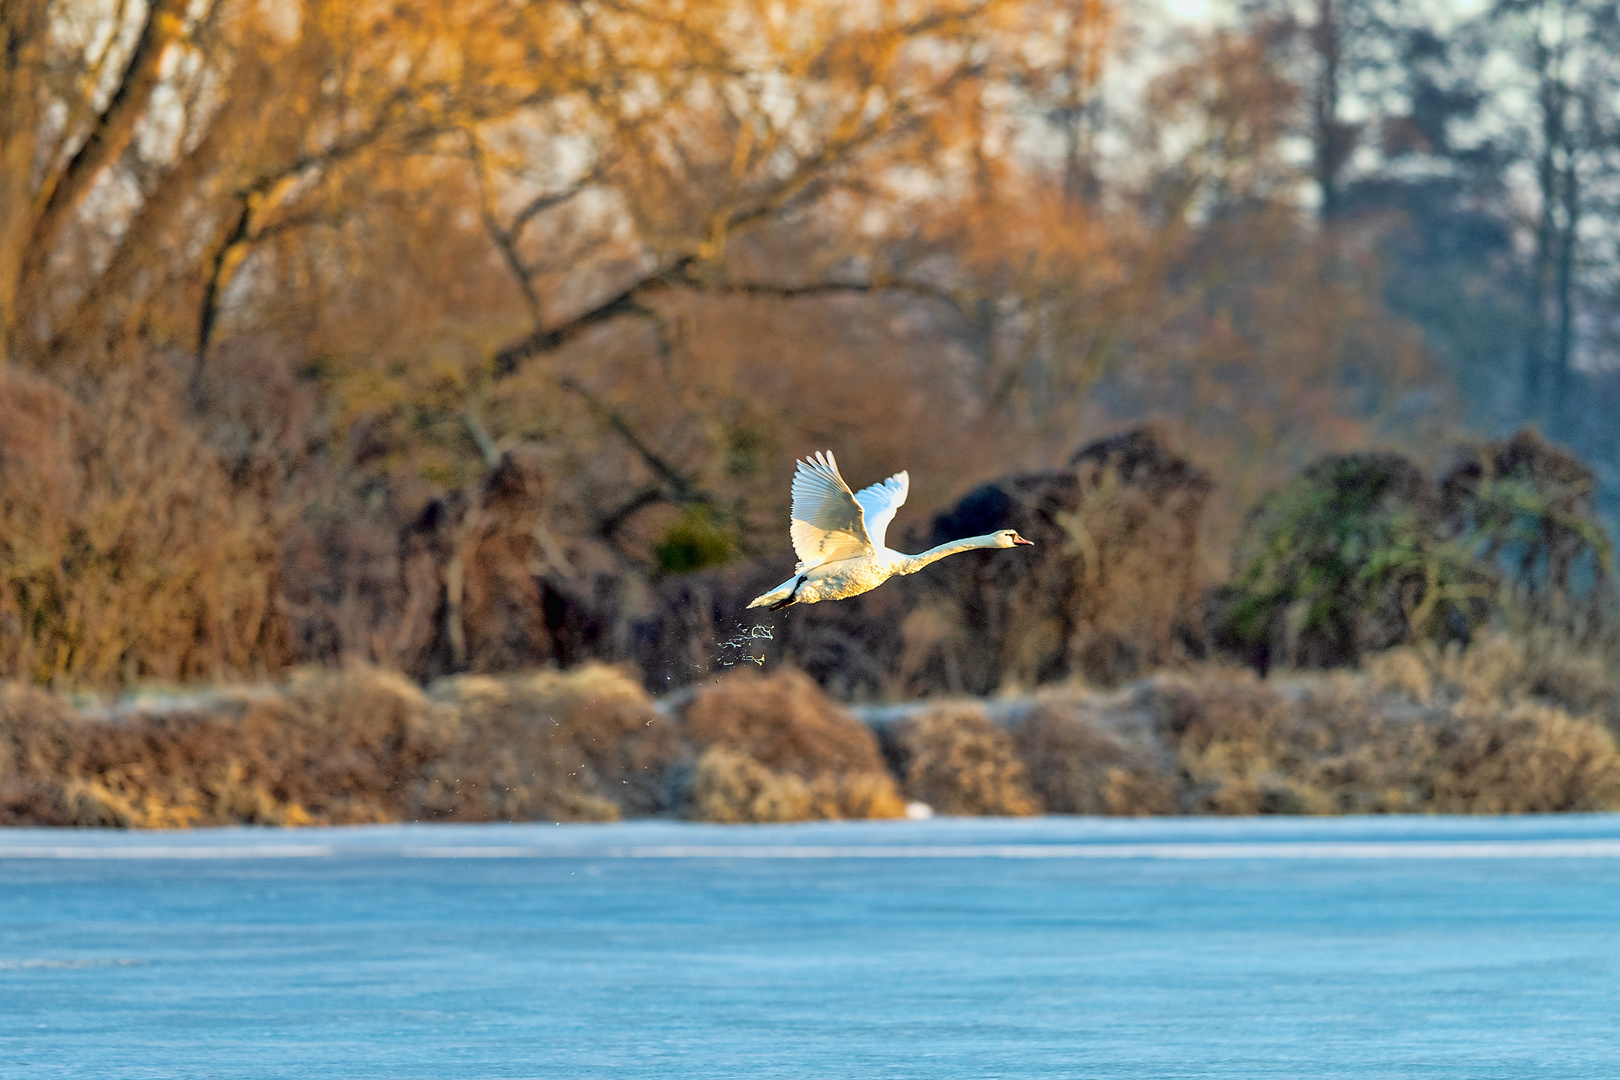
(1245, 948)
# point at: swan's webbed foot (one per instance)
(792, 597)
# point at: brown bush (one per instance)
(124, 553)
(1580, 683)
(1525, 759)
(855, 795)
(957, 760)
(783, 724)
(351, 744)
(1407, 738)
(732, 788)
(1229, 732)
(1078, 765)
(583, 745)
(783, 721)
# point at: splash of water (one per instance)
(741, 645)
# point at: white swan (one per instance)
(838, 535)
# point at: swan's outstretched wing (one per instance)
(828, 524)
(880, 501)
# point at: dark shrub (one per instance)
(1111, 589)
(1524, 508)
(1346, 559)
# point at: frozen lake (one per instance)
(1289, 948)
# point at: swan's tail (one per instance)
(781, 596)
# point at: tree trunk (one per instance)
(1550, 96)
(1564, 298)
(35, 209)
(1328, 132)
(22, 61)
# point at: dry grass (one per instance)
(124, 553)
(957, 760)
(1525, 759)
(1077, 765)
(351, 746)
(775, 748)
(343, 747)
(1541, 667)
(1228, 731)
(1362, 744)
(583, 745)
(1423, 730)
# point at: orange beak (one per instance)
(1021, 540)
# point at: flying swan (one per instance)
(838, 535)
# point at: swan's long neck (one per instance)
(914, 563)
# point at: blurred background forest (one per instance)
(460, 336)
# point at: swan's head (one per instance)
(1010, 538)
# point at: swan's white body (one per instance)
(839, 537)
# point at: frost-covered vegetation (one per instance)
(1492, 728)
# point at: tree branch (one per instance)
(681, 485)
(921, 290)
(628, 301)
(625, 302)
(805, 183)
(487, 448)
(218, 272)
(610, 525)
(60, 195)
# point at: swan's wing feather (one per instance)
(880, 501)
(828, 524)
